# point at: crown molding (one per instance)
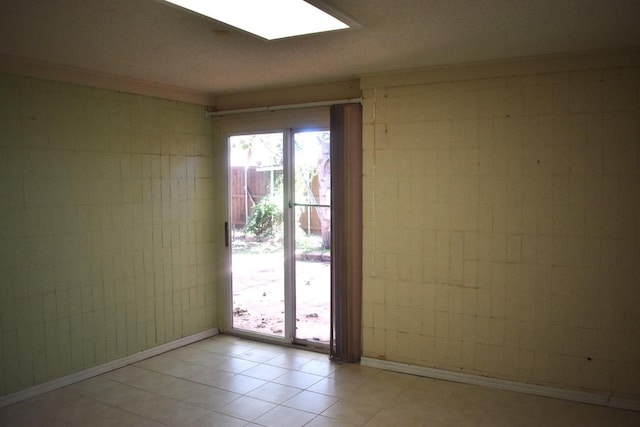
(62, 73)
(573, 61)
(319, 92)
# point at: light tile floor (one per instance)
(228, 381)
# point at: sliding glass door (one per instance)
(280, 235)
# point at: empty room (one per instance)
(320, 213)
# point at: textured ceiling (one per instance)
(151, 41)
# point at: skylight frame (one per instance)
(206, 8)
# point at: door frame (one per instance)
(289, 265)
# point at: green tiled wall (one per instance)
(107, 248)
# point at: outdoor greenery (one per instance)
(265, 221)
(312, 186)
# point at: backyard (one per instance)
(258, 180)
(258, 289)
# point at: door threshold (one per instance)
(303, 345)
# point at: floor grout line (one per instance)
(353, 393)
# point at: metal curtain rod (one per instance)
(283, 107)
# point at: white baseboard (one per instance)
(101, 369)
(554, 392)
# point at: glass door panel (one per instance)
(312, 231)
(256, 233)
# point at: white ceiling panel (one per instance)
(152, 41)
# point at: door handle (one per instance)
(226, 234)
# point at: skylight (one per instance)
(269, 19)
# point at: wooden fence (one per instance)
(259, 182)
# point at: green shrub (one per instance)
(265, 220)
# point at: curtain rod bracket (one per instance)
(208, 110)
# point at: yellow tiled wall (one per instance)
(502, 227)
(106, 242)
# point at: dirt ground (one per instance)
(258, 295)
